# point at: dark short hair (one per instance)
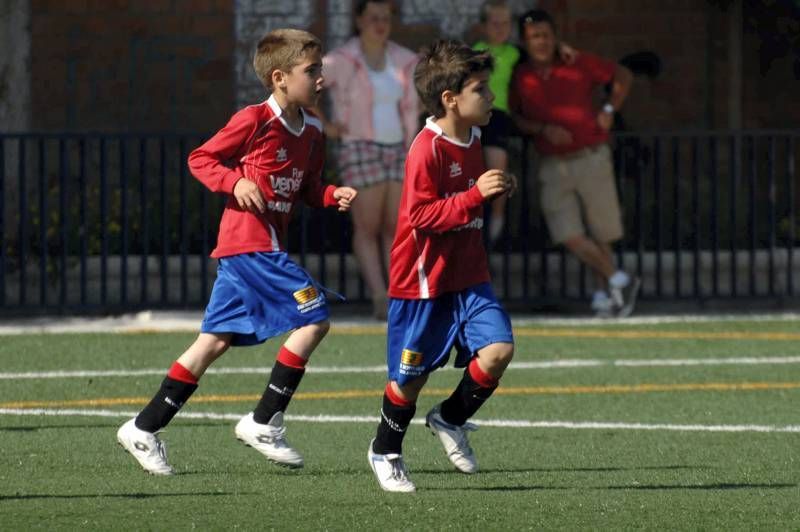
(361, 5)
(446, 65)
(534, 16)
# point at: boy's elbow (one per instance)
(195, 160)
(418, 220)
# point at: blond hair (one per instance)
(282, 49)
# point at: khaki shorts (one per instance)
(581, 187)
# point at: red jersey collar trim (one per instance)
(433, 126)
(278, 111)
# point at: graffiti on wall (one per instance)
(256, 17)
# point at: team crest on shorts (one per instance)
(411, 358)
(411, 363)
(307, 299)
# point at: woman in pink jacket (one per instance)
(375, 115)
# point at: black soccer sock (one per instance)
(396, 415)
(470, 394)
(176, 388)
(286, 376)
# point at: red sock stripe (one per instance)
(480, 377)
(394, 398)
(287, 358)
(179, 373)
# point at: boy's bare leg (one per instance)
(495, 358)
(480, 379)
(137, 436)
(203, 352)
(448, 420)
(304, 340)
(182, 380)
(263, 429)
(410, 390)
(288, 371)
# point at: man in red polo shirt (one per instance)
(553, 102)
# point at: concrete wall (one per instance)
(123, 65)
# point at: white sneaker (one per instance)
(602, 305)
(269, 439)
(390, 470)
(624, 298)
(145, 446)
(454, 439)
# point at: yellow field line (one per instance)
(604, 333)
(533, 332)
(671, 335)
(438, 392)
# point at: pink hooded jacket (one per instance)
(346, 75)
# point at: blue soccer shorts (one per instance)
(260, 295)
(422, 332)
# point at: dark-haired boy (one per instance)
(439, 290)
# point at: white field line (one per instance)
(522, 321)
(550, 364)
(501, 423)
(165, 321)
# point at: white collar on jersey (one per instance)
(307, 118)
(433, 126)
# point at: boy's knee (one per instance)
(216, 345)
(409, 391)
(321, 328)
(496, 357)
(509, 351)
(505, 352)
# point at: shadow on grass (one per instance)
(713, 486)
(570, 469)
(117, 496)
(55, 427)
(111, 426)
(654, 487)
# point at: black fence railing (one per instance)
(103, 222)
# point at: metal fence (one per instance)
(102, 222)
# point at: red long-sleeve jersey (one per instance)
(438, 246)
(258, 145)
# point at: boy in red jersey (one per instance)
(439, 290)
(268, 157)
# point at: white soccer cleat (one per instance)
(145, 446)
(269, 439)
(454, 439)
(390, 470)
